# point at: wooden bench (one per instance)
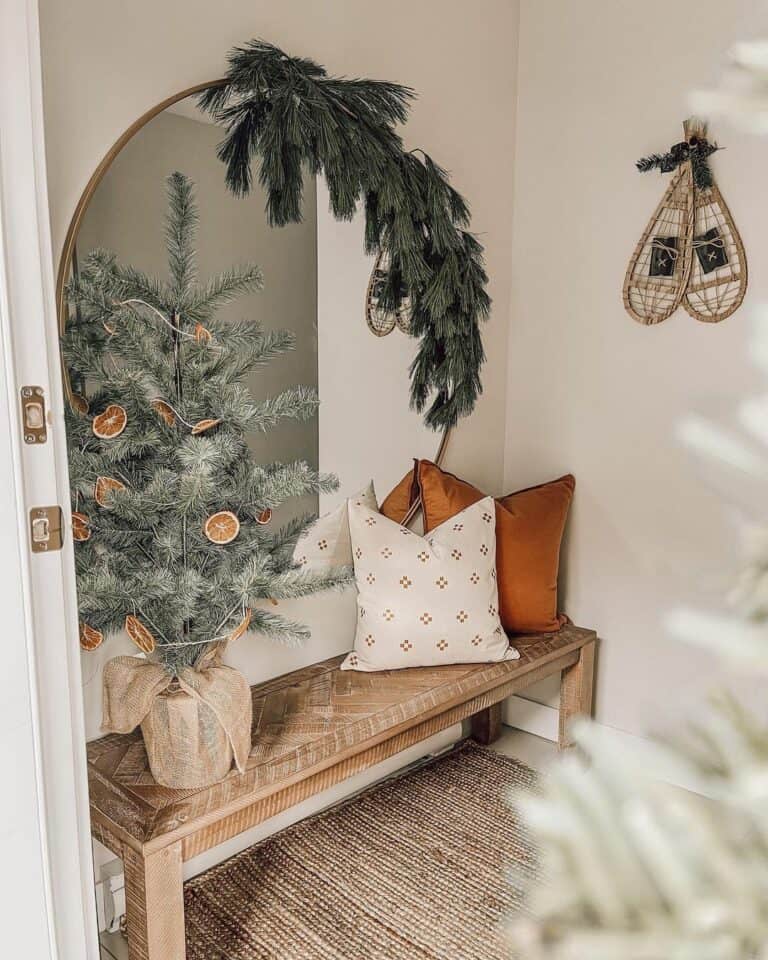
(311, 729)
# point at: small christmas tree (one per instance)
(171, 516)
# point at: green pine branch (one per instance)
(180, 235)
(201, 303)
(287, 115)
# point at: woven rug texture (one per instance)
(415, 868)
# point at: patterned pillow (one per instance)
(424, 601)
(326, 543)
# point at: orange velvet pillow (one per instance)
(529, 528)
(398, 501)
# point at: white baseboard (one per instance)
(537, 718)
(542, 720)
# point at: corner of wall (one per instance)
(508, 445)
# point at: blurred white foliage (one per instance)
(633, 868)
(742, 96)
(750, 594)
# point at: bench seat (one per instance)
(311, 729)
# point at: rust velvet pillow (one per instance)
(398, 501)
(529, 528)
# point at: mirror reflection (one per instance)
(125, 217)
(316, 280)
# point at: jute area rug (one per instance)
(413, 869)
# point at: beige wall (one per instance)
(367, 429)
(591, 391)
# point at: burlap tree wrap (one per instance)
(193, 725)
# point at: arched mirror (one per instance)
(316, 281)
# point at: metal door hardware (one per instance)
(45, 525)
(33, 415)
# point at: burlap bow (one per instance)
(192, 728)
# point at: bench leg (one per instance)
(576, 692)
(486, 725)
(154, 904)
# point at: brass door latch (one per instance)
(45, 529)
(45, 523)
(33, 415)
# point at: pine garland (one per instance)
(697, 150)
(290, 114)
(135, 341)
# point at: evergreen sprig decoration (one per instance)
(156, 351)
(289, 114)
(695, 149)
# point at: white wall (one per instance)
(367, 429)
(591, 391)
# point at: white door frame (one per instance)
(39, 587)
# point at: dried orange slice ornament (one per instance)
(81, 529)
(79, 403)
(104, 487)
(242, 626)
(202, 425)
(165, 411)
(139, 634)
(265, 516)
(222, 527)
(111, 423)
(202, 335)
(90, 638)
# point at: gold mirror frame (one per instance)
(67, 253)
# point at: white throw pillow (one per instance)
(424, 601)
(326, 543)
